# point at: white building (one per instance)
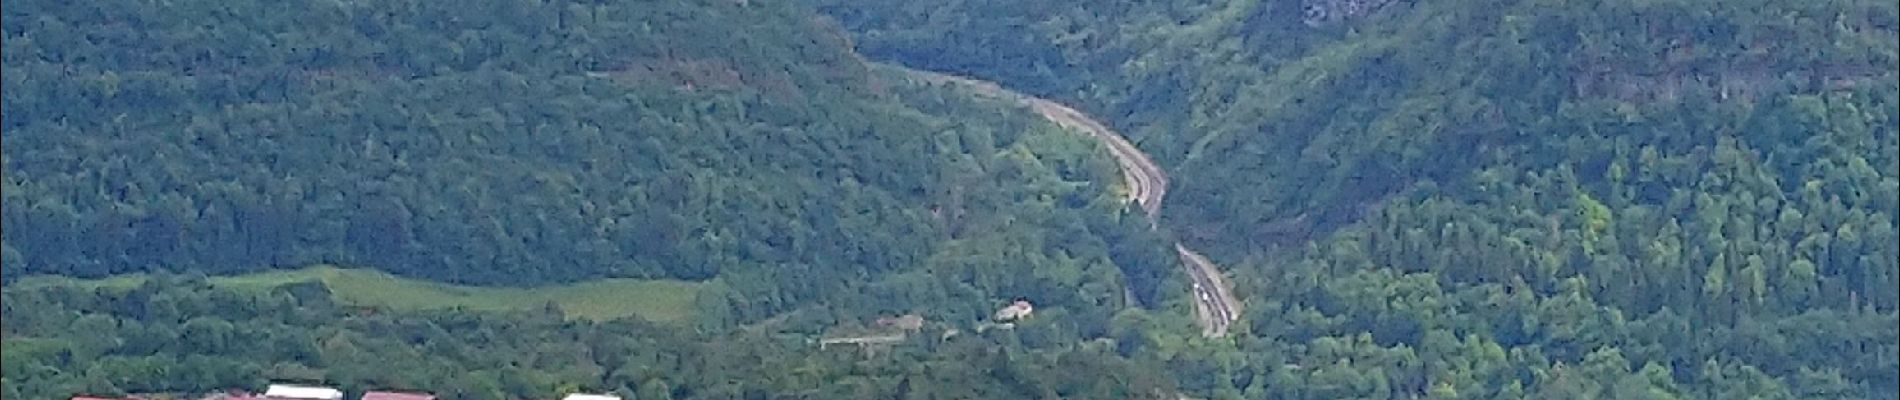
(295, 392)
(585, 396)
(1015, 311)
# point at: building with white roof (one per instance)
(1016, 310)
(295, 392)
(585, 396)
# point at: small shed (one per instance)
(585, 396)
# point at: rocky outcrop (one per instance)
(1325, 12)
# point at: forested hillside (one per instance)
(526, 142)
(1495, 199)
(1477, 199)
(741, 146)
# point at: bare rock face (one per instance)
(1326, 12)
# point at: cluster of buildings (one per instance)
(301, 392)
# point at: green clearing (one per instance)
(603, 299)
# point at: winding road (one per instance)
(1216, 308)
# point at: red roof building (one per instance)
(397, 396)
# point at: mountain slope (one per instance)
(518, 143)
(740, 145)
(1481, 196)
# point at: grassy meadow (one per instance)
(603, 299)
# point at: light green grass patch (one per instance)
(603, 299)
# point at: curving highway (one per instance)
(1216, 308)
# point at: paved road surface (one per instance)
(1215, 305)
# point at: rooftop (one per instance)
(379, 395)
(301, 392)
(1018, 309)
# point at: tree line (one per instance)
(177, 334)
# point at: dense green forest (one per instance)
(1486, 199)
(537, 143)
(528, 142)
(1495, 199)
